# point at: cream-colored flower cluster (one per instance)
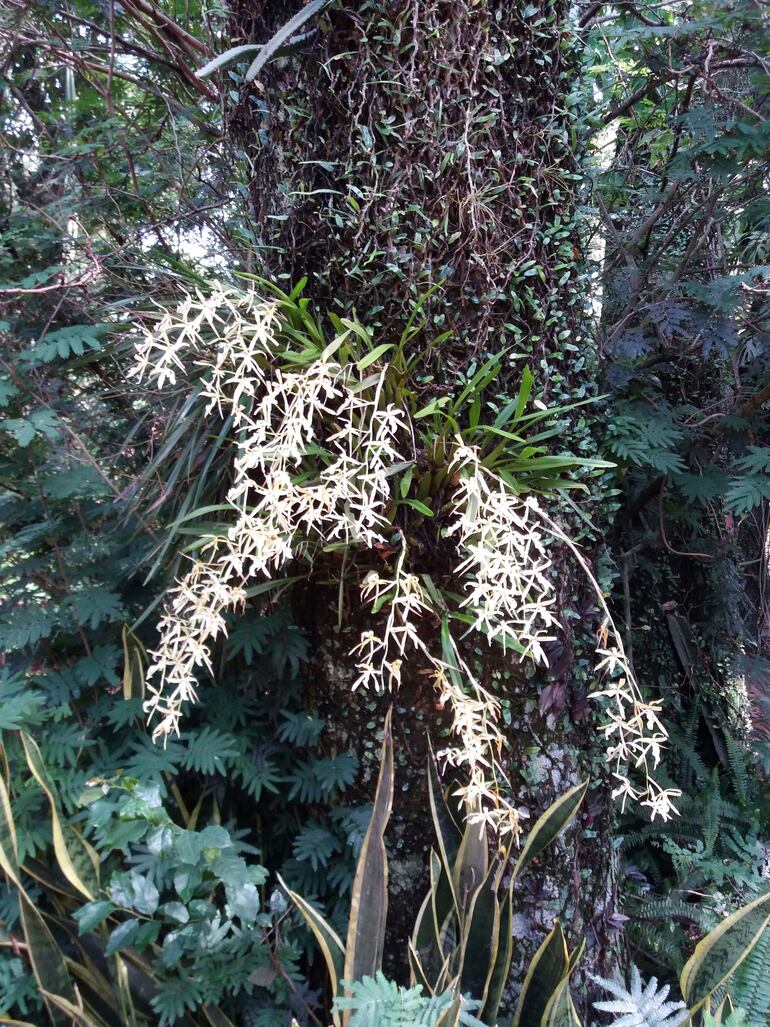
(380, 658)
(279, 418)
(633, 729)
(505, 562)
(317, 447)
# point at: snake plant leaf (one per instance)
(481, 937)
(560, 1011)
(451, 1015)
(134, 656)
(123, 987)
(329, 941)
(283, 35)
(77, 860)
(550, 824)
(472, 862)
(721, 952)
(48, 966)
(545, 973)
(502, 963)
(9, 853)
(369, 897)
(216, 1017)
(447, 835)
(75, 1014)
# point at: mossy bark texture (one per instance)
(394, 147)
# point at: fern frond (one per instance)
(751, 986)
(641, 1005)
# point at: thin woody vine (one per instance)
(340, 454)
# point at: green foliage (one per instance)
(750, 987)
(462, 939)
(377, 1002)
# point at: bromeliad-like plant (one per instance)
(338, 456)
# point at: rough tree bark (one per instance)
(400, 145)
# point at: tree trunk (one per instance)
(398, 147)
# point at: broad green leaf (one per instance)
(331, 945)
(77, 860)
(369, 896)
(374, 355)
(549, 825)
(721, 952)
(544, 974)
(560, 1011)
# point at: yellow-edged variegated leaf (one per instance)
(721, 952)
(369, 896)
(127, 1011)
(548, 968)
(48, 966)
(133, 665)
(77, 860)
(502, 964)
(481, 937)
(560, 1011)
(725, 1010)
(75, 1014)
(451, 1015)
(472, 860)
(9, 855)
(330, 943)
(447, 836)
(46, 959)
(549, 825)
(216, 1017)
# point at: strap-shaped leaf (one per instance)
(447, 835)
(46, 959)
(329, 941)
(369, 897)
(216, 1017)
(471, 864)
(134, 655)
(451, 1015)
(560, 1011)
(228, 57)
(127, 1011)
(550, 824)
(75, 1014)
(77, 860)
(9, 855)
(721, 952)
(502, 965)
(481, 937)
(48, 965)
(548, 968)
